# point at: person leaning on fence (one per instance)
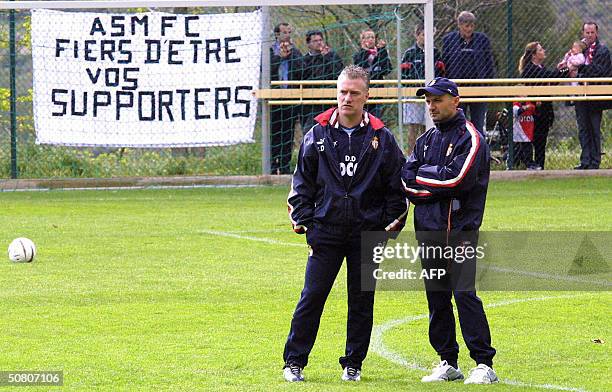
(468, 55)
(320, 63)
(284, 61)
(588, 113)
(347, 181)
(413, 67)
(530, 67)
(374, 58)
(446, 178)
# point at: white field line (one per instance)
(132, 187)
(238, 234)
(377, 344)
(250, 238)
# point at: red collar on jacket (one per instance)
(330, 117)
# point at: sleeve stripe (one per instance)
(416, 192)
(466, 165)
(289, 206)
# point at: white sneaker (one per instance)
(443, 372)
(482, 374)
(293, 373)
(351, 374)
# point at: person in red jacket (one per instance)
(523, 114)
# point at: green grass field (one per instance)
(194, 289)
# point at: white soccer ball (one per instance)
(22, 250)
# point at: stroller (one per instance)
(497, 138)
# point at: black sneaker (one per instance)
(351, 374)
(293, 373)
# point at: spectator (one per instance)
(530, 66)
(522, 134)
(374, 58)
(588, 114)
(320, 63)
(284, 61)
(413, 67)
(468, 55)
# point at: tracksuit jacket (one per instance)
(467, 60)
(446, 177)
(381, 66)
(370, 200)
(413, 63)
(600, 67)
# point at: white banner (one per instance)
(145, 80)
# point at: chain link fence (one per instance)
(556, 24)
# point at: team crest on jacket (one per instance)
(375, 142)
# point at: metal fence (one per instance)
(509, 25)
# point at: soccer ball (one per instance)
(22, 250)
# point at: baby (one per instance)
(573, 59)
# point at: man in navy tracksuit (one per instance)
(467, 54)
(347, 180)
(446, 178)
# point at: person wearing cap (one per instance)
(446, 178)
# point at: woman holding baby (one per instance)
(531, 66)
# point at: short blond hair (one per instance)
(355, 72)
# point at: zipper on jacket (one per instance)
(346, 209)
(360, 157)
(448, 221)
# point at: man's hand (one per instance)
(325, 50)
(398, 224)
(300, 229)
(406, 65)
(381, 43)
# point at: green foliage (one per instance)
(556, 23)
(37, 161)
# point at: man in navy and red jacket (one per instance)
(347, 180)
(446, 177)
